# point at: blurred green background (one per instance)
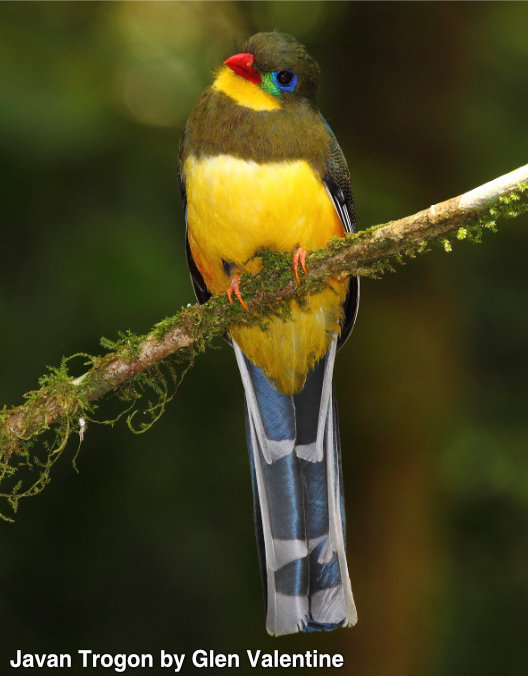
(151, 546)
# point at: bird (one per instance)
(260, 168)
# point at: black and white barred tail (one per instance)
(298, 499)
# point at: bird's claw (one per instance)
(234, 288)
(299, 256)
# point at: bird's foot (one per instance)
(234, 288)
(299, 256)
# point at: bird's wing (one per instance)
(337, 183)
(200, 289)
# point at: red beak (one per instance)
(242, 64)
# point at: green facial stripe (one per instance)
(269, 86)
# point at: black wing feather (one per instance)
(200, 289)
(337, 182)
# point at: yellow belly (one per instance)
(236, 207)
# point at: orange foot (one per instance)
(299, 256)
(234, 288)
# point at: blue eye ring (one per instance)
(287, 84)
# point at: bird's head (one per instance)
(275, 63)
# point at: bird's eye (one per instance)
(285, 80)
(284, 77)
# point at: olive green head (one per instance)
(262, 106)
(278, 64)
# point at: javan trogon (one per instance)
(261, 168)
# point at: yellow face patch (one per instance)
(242, 91)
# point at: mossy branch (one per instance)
(136, 364)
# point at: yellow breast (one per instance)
(236, 207)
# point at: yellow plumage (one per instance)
(235, 208)
(287, 350)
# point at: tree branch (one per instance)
(136, 363)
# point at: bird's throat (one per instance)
(243, 92)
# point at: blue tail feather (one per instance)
(298, 500)
(285, 496)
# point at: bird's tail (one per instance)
(298, 500)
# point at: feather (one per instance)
(298, 498)
(314, 450)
